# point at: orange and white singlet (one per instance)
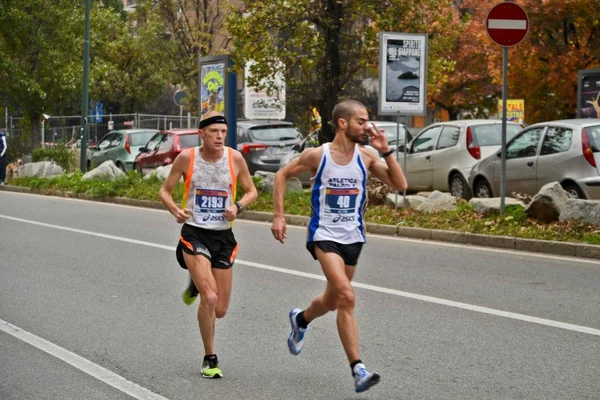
(209, 189)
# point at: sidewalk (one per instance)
(503, 242)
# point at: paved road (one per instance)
(90, 308)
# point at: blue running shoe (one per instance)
(296, 339)
(363, 380)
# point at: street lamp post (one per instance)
(84, 99)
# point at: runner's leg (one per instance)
(339, 281)
(200, 271)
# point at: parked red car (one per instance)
(163, 147)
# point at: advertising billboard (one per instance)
(402, 73)
(258, 104)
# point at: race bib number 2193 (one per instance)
(210, 201)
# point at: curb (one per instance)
(504, 242)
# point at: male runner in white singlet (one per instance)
(336, 230)
(207, 247)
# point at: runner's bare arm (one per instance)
(179, 169)
(245, 180)
(308, 161)
(389, 172)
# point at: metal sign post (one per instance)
(402, 81)
(507, 24)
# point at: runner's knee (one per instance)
(209, 300)
(345, 297)
(220, 311)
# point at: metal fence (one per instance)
(67, 128)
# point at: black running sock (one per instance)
(353, 363)
(210, 357)
(301, 321)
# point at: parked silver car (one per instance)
(567, 151)
(263, 143)
(391, 131)
(120, 146)
(442, 155)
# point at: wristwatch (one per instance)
(240, 207)
(387, 153)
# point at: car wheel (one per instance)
(574, 191)
(138, 169)
(483, 189)
(458, 187)
(121, 167)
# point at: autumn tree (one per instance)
(130, 64)
(194, 29)
(474, 85)
(329, 46)
(564, 37)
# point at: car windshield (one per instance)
(274, 133)
(491, 135)
(140, 138)
(391, 131)
(188, 141)
(593, 134)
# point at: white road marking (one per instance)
(400, 293)
(507, 24)
(118, 382)
(395, 238)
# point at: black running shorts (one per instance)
(219, 247)
(348, 252)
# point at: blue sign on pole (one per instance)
(99, 112)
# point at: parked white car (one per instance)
(565, 151)
(442, 155)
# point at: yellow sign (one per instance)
(515, 110)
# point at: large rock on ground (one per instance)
(547, 205)
(585, 210)
(161, 173)
(438, 201)
(293, 184)
(491, 206)
(41, 169)
(411, 201)
(107, 171)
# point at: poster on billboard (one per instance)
(257, 103)
(402, 73)
(217, 90)
(212, 87)
(588, 93)
(515, 110)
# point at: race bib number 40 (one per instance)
(341, 201)
(210, 201)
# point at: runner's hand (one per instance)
(231, 212)
(378, 138)
(279, 229)
(183, 215)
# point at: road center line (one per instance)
(378, 289)
(94, 370)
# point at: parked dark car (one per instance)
(264, 143)
(163, 147)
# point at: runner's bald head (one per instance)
(346, 109)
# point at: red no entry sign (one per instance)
(507, 24)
